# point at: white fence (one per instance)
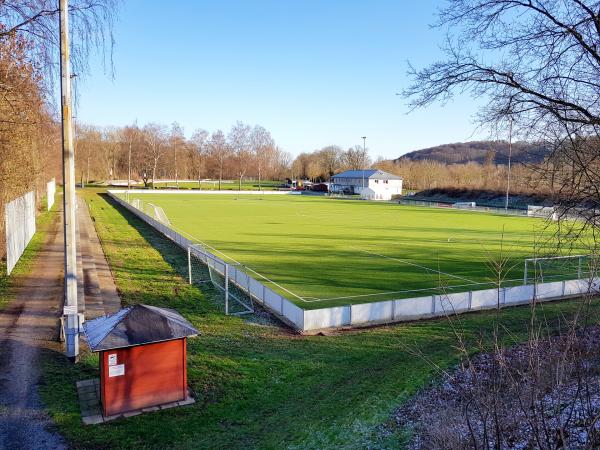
(50, 191)
(377, 312)
(207, 192)
(19, 224)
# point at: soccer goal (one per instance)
(555, 268)
(543, 212)
(137, 204)
(203, 267)
(156, 212)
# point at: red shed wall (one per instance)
(153, 374)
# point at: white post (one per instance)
(525, 273)
(190, 264)
(579, 269)
(69, 199)
(226, 289)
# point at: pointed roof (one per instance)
(136, 325)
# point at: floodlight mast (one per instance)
(69, 199)
(364, 138)
(510, 124)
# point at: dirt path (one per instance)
(27, 326)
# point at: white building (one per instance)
(371, 184)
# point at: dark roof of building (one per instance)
(372, 174)
(136, 325)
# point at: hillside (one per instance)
(480, 152)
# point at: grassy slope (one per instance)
(43, 221)
(326, 248)
(257, 386)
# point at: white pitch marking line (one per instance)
(416, 265)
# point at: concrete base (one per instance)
(88, 392)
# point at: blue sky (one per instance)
(313, 73)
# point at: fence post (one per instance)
(579, 269)
(226, 289)
(525, 273)
(189, 252)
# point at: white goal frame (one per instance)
(538, 260)
(211, 262)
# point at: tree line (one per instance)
(156, 152)
(159, 152)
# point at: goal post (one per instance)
(204, 267)
(543, 212)
(554, 268)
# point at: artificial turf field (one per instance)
(320, 252)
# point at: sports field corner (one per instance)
(323, 252)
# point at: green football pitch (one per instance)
(320, 252)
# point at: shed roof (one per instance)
(372, 174)
(136, 325)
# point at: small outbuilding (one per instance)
(372, 194)
(384, 184)
(142, 357)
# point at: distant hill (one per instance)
(480, 152)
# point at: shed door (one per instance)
(143, 376)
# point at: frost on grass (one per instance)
(544, 394)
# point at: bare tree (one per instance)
(239, 142)
(198, 152)
(330, 159)
(538, 64)
(154, 136)
(176, 145)
(219, 152)
(263, 148)
(91, 23)
(356, 158)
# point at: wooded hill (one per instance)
(481, 152)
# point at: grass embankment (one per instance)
(322, 252)
(259, 386)
(7, 283)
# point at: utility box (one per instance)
(142, 357)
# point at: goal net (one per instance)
(544, 212)
(157, 213)
(203, 267)
(557, 268)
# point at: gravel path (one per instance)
(27, 326)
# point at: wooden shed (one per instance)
(142, 357)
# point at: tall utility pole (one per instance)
(176, 175)
(364, 138)
(70, 249)
(510, 123)
(129, 165)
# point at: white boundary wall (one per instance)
(50, 191)
(206, 192)
(19, 224)
(405, 309)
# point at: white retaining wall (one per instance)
(50, 192)
(379, 312)
(201, 192)
(19, 224)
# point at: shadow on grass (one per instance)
(176, 257)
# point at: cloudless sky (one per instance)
(312, 72)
